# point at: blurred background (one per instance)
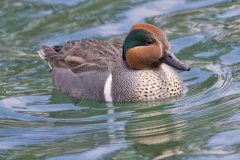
(39, 122)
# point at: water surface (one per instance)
(39, 122)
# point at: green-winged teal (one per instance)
(137, 70)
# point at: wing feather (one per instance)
(84, 55)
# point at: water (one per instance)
(39, 122)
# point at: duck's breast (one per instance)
(145, 85)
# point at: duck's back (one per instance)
(74, 53)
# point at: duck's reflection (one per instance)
(154, 130)
(150, 127)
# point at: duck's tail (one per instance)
(41, 54)
(53, 57)
(46, 53)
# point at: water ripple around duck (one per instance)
(39, 122)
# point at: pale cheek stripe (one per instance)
(108, 89)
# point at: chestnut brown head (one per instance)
(146, 46)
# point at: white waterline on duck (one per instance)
(108, 89)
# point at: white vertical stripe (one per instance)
(108, 89)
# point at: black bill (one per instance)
(170, 59)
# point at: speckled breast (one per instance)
(145, 85)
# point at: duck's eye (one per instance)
(149, 41)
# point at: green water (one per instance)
(39, 122)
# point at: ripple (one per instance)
(231, 58)
(183, 42)
(226, 139)
(230, 13)
(205, 54)
(68, 3)
(39, 122)
(93, 154)
(149, 9)
(215, 157)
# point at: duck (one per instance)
(139, 69)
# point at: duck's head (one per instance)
(146, 46)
